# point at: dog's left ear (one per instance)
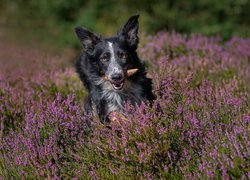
(129, 32)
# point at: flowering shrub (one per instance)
(197, 127)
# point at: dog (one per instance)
(104, 66)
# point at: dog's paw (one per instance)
(116, 117)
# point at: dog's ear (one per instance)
(129, 31)
(87, 38)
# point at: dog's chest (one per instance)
(115, 100)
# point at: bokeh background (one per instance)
(198, 55)
(53, 20)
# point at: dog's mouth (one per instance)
(117, 86)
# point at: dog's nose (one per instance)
(117, 77)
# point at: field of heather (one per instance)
(202, 85)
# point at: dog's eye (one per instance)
(123, 55)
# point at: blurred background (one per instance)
(52, 21)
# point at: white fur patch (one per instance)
(112, 52)
(116, 99)
(113, 64)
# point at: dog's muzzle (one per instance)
(117, 80)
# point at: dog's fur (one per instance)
(111, 58)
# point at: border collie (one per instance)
(104, 67)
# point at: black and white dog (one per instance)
(103, 67)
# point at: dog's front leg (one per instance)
(100, 107)
(88, 105)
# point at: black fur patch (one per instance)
(108, 57)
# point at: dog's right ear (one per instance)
(87, 38)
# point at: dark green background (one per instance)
(55, 19)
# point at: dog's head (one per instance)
(112, 57)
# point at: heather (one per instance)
(198, 128)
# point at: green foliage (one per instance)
(210, 17)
